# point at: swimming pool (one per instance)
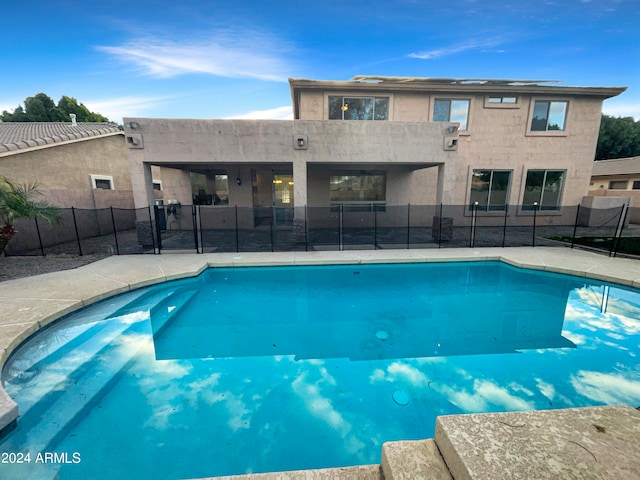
(262, 369)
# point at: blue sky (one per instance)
(214, 59)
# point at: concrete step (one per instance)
(413, 459)
(590, 443)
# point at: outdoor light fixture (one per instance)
(238, 181)
(133, 125)
(301, 142)
(452, 128)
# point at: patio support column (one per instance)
(299, 195)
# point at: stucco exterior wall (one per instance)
(243, 144)
(63, 172)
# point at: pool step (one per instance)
(70, 365)
(46, 425)
(167, 310)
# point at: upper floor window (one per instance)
(618, 184)
(543, 189)
(502, 100)
(548, 115)
(448, 110)
(636, 185)
(358, 108)
(490, 189)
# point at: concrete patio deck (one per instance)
(29, 304)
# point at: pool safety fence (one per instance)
(204, 229)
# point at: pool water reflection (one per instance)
(264, 369)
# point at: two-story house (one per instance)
(385, 141)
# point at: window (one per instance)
(358, 188)
(358, 108)
(445, 110)
(618, 184)
(490, 188)
(636, 185)
(104, 182)
(157, 185)
(548, 116)
(502, 100)
(209, 188)
(543, 187)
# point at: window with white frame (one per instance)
(358, 108)
(490, 189)
(104, 182)
(510, 100)
(543, 189)
(451, 110)
(549, 116)
(157, 185)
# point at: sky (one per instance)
(232, 59)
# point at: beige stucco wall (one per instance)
(497, 137)
(63, 172)
(239, 145)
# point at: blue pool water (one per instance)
(264, 369)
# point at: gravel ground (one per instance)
(19, 267)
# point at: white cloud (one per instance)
(232, 54)
(454, 49)
(622, 109)
(115, 109)
(606, 388)
(279, 113)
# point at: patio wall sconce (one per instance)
(238, 181)
(300, 142)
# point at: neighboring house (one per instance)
(617, 178)
(82, 165)
(384, 141)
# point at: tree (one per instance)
(17, 201)
(41, 108)
(619, 138)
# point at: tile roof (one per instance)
(619, 166)
(16, 136)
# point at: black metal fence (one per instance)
(203, 229)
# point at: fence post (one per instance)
(616, 240)
(340, 226)
(156, 211)
(199, 219)
(472, 235)
(408, 225)
(115, 232)
(375, 226)
(273, 219)
(440, 226)
(535, 209)
(75, 226)
(306, 230)
(194, 223)
(39, 236)
(504, 228)
(575, 227)
(153, 240)
(237, 236)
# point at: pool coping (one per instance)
(29, 304)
